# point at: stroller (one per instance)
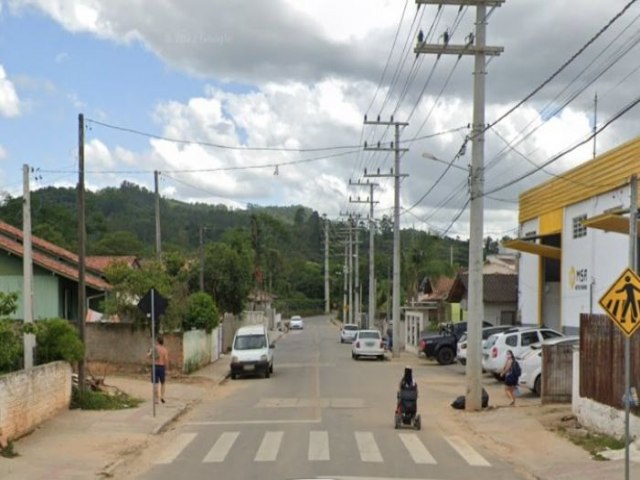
(407, 409)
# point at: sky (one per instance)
(263, 103)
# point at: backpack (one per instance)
(515, 369)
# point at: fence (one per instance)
(602, 361)
(557, 373)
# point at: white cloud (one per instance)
(3, 153)
(9, 101)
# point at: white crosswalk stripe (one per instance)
(318, 446)
(176, 447)
(467, 452)
(221, 448)
(416, 449)
(269, 447)
(368, 448)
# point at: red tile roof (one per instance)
(101, 262)
(49, 256)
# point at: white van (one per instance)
(252, 353)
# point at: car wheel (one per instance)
(380, 357)
(267, 373)
(537, 387)
(271, 368)
(233, 376)
(445, 356)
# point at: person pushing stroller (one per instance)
(407, 406)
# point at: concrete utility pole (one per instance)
(395, 173)
(476, 180)
(327, 303)
(157, 192)
(29, 339)
(372, 232)
(633, 265)
(345, 273)
(201, 259)
(356, 287)
(82, 240)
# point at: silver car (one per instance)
(348, 332)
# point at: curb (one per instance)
(162, 425)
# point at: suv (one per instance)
(517, 339)
(442, 346)
(461, 354)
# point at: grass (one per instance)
(595, 443)
(8, 451)
(96, 400)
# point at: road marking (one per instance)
(318, 445)
(368, 448)
(221, 448)
(170, 453)
(467, 452)
(269, 447)
(255, 422)
(321, 402)
(416, 448)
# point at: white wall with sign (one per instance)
(591, 259)
(528, 285)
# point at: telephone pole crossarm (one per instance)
(439, 49)
(470, 3)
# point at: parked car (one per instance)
(442, 346)
(461, 353)
(348, 332)
(252, 353)
(516, 339)
(531, 362)
(296, 322)
(368, 343)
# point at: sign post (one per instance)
(153, 305)
(621, 304)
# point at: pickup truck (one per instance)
(442, 345)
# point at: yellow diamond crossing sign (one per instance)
(622, 302)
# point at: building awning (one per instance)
(529, 246)
(609, 222)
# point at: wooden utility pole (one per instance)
(82, 240)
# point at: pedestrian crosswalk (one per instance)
(318, 448)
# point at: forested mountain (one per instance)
(286, 243)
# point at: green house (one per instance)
(55, 276)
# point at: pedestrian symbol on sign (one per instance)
(621, 302)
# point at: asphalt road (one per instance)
(321, 415)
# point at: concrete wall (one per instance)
(196, 350)
(598, 416)
(29, 397)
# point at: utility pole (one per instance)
(201, 260)
(157, 192)
(327, 303)
(372, 233)
(345, 274)
(476, 181)
(27, 269)
(356, 288)
(595, 122)
(82, 240)
(350, 271)
(395, 173)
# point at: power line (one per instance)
(215, 145)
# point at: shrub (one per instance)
(201, 312)
(11, 345)
(57, 339)
(96, 400)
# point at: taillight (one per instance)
(494, 352)
(357, 344)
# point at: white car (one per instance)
(461, 347)
(517, 339)
(368, 343)
(531, 363)
(296, 322)
(348, 332)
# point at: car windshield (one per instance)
(463, 338)
(249, 342)
(368, 335)
(353, 328)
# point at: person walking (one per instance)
(510, 377)
(160, 367)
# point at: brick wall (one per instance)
(29, 397)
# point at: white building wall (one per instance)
(528, 285)
(414, 324)
(592, 263)
(493, 312)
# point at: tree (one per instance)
(119, 243)
(8, 303)
(227, 276)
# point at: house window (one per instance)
(579, 230)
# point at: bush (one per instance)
(11, 346)
(57, 339)
(95, 400)
(201, 313)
